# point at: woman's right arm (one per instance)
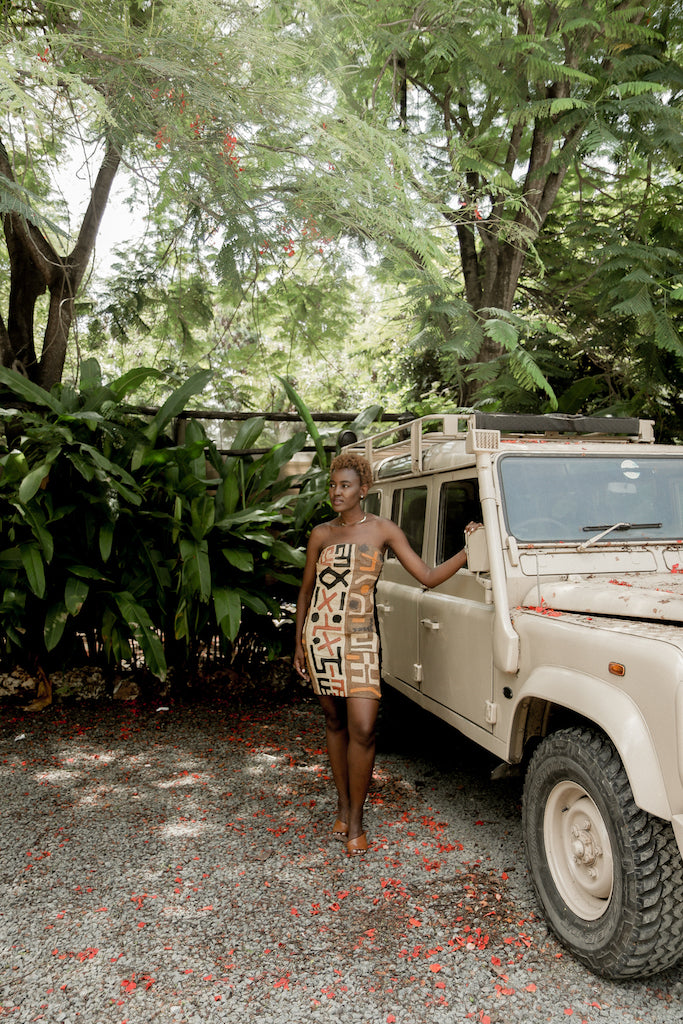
(304, 599)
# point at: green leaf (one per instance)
(248, 515)
(366, 418)
(203, 515)
(13, 600)
(32, 560)
(177, 402)
(133, 380)
(502, 333)
(90, 376)
(254, 603)
(195, 438)
(285, 553)
(29, 391)
(14, 467)
(303, 411)
(75, 593)
(106, 540)
(16, 198)
(55, 621)
(132, 496)
(248, 434)
(285, 577)
(31, 483)
(181, 626)
(240, 558)
(44, 538)
(525, 370)
(264, 471)
(228, 609)
(263, 538)
(228, 493)
(196, 566)
(86, 469)
(87, 572)
(143, 631)
(107, 466)
(11, 558)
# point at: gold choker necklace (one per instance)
(357, 522)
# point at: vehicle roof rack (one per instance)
(482, 432)
(556, 423)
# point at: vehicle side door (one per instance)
(398, 593)
(456, 619)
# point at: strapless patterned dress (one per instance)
(340, 637)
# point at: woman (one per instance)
(337, 645)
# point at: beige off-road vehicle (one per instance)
(559, 648)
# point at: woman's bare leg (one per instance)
(337, 735)
(361, 719)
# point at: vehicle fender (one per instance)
(617, 715)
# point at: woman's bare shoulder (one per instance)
(383, 524)
(320, 536)
(383, 530)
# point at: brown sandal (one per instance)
(340, 829)
(357, 846)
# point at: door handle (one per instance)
(384, 608)
(429, 624)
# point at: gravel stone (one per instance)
(176, 867)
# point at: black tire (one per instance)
(608, 876)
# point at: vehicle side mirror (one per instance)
(477, 551)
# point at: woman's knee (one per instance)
(335, 719)
(362, 720)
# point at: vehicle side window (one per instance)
(408, 508)
(396, 506)
(373, 503)
(458, 505)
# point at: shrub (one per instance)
(114, 540)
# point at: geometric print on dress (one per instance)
(325, 633)
(341, 641)
(362, 649)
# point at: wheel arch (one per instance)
(552, 697)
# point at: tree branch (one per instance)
(19, 231)
(81, 252)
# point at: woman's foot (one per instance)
(357, 846)
(340, 829)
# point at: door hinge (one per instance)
(491, 712)
(417, 673)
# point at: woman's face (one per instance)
(346, 490)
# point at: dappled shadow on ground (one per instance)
(174, 863)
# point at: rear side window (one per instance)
(458, 505)
(372, 503)
(408, 508)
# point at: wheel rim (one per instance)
(578, 850)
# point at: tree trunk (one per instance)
(36, 267)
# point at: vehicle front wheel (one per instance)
(608, 876)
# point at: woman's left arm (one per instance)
(398, 542)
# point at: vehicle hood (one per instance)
(630, 596)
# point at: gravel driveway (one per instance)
(176, 865)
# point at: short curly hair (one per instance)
(349, 460)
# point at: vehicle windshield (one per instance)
(577, 497)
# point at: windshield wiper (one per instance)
(610, 529)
